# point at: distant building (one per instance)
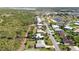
(68, 41)
(58, 30)
(68, 27)
(55, 26)
(76, 23)
(38, 19)
(40, 31)
(39, 25)
(57, 19)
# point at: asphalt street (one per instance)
(52, 38)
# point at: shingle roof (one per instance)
(57, 19)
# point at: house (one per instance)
(58, 30)
(39, 25)
(40, 44)
(53, 20)
(38, 19)
(39, 36)
(51, 31)
(55, 26)
(68, 41)
(38, 22)
(40, 31)
(68, 27)
(76, 23)
(61, 33)
(57, 19)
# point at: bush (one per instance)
(64, 47)
(9, 45)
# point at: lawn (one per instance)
(57, 37)
(30, 44)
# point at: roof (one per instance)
(39, 24)
(67, 40)
(38, 19)
(55, 26)
(57, 19)
(38, 35)
(58, 29)
(39, 30)
(40, 43)
(76, 23)
(53, 20)
(68, 27)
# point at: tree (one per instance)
(76, 38)
(64, 47)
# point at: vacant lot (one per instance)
(13, 26)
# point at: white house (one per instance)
(55, 26)
(68, 27)
(58, 29)
(39, 25)
(40, 31)
(76, 23)
(38, 19)
(39, 36)
(40, 44)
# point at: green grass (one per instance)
(13, 25)
(64, 47)
(9, 45)
(30, 44)
(57, 37)
(47, 40)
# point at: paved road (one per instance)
(52, 38)
(74, 48)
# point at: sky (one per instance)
(40, 3)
